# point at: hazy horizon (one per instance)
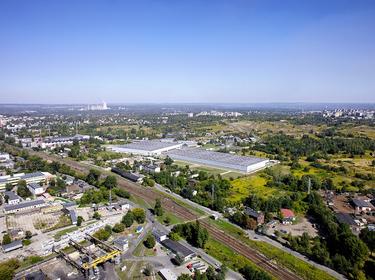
(86, 52)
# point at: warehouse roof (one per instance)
(345, 218)
(360, 203)
(12, 246)
(23, 205)
(225, 158)
(177, 248)
(32, 175)
(149, 145)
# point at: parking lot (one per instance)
(295, 230)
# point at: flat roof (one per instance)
(360, 203)
(148, 145)
(11, 195)
(345, 218)
(224, 158)
(177, 248)
(35, 186)
(23, 205)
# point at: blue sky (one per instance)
(76, 51)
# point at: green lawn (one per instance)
(173, 218)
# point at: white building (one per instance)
(12, 198)
(35, 177)
(121, 243)
(147, 147)
(35, 188)
(24, 206)
(219, 160)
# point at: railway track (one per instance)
(150, 195)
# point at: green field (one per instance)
(252, 184)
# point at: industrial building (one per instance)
(35, 177)
(219, 160)
(183, 254)
(12, 246)
(147, 147)
(24, 206)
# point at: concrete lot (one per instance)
(296, 229)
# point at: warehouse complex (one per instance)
(147, 147)
(189, 153)
(219, 160)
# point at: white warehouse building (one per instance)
(242, 164)
(147, 147)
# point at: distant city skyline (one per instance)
(87, 52)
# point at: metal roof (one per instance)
(32, 175)
(177, 248)
(223, 158)
(34, 186)
(345, 218)
(149, 145)
(360, 203)
(23, 205)
(12, 246)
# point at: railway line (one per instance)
(150, 195)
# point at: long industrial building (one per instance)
(219, 160)
(147, 147)
(35, 177)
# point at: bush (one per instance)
(128, 219)
(102, 234)
(118, 227)
(150, 242)
(26, 242)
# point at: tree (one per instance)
(79, 220)
(368, 237)
(8, 186)
(119, 227)
(28, 234)
(168, 161)
(167, 220)
(102, 234)
(93, 177)
(174, 236)
(22, 189)
(110, 182)
(139, 215)
(6, 239)
(128, 219)
(150, 242)
(158, 210)
(250, 273)
(96, 215)
(7, 269)
(184, 277)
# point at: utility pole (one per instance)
(309, 186)
(213, 193)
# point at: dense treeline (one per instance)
(286, 145)
(193, 233)
(336, 246)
